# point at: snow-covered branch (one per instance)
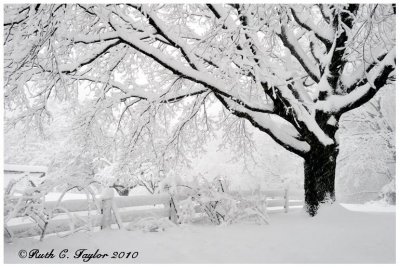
(90, 39)
(324, 34)
(90, 57)
(290, 42)
(279, 130)
(375, 80)
(183, 71)
(174, 39)
(302, 115)
(258, 60)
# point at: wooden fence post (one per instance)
(172, 211)
(8, 235)
(106, 206)
(286, 197)
(117, 215)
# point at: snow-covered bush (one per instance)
(148, 175)
(125, 176)
(219, 205)
(30, 202)
(112, 174)
(388, 193)
(186, 210)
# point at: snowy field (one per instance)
(358, 234)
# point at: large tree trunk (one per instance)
(319, 176)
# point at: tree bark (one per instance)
(319, 176)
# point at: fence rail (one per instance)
(117, 210)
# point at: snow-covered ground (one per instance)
(336, 235)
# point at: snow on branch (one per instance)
(177, 68)
(90, 39)
(19, 17)
(290, 42)
(220, 12)
(140, 92)
(351, 79)
(283, 133)
(324, 34)
(175, 40)
(286, 133)
(376, 79)
(91, 56)
(304, 116)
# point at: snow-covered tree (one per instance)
(123, 177)
(155, 71)
(368, 155)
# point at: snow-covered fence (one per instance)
(10, 168)
(279, 200)
(20, 176)
(116, 210)
(124, 209)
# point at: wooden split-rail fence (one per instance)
(118, 210)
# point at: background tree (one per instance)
(368, 152)
(155, 70)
